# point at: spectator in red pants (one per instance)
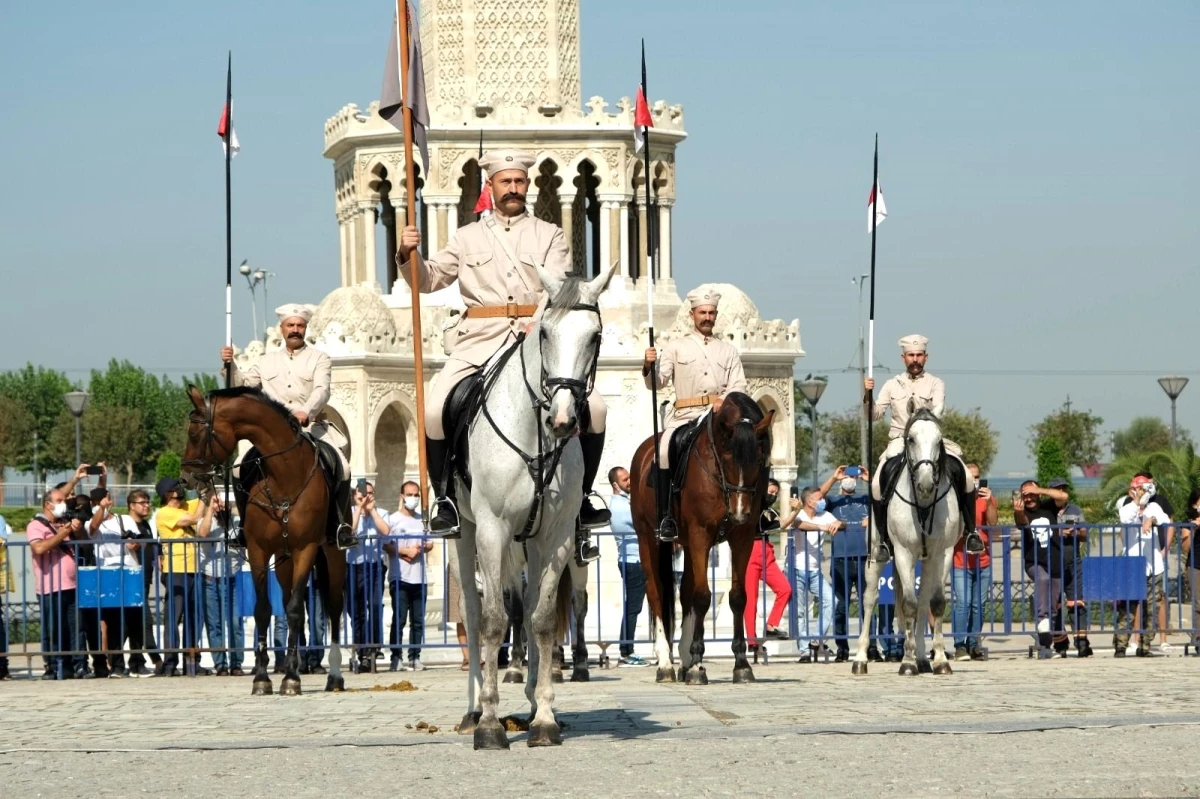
(762, 564)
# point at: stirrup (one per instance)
(599, 518)
(668, 530)
(445, 526)
(237, 538)
(586, 551)
(973, 543)
(883, 548)
(345, 537)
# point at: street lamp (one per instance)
(1173, 385)
(812, 388)
(245, 270)
(77, 403)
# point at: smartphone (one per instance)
(1016, 494)
(983, 483)
(795, 492)
(853, 471)
(362, 486)
(95, 470)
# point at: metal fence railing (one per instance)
(189, 602)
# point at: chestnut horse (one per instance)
(723, 488)
(286, 510)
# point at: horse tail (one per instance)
(321, 574)
(666, 582)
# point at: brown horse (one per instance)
(286, 509)
(722, 495)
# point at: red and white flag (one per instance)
(483, 205)
(641, 121)
(875, 213)
(224, 125)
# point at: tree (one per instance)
(1052, 463)
(975, 434)
(1176, 474)
(16, 433)
(40, 392)
(1146, 434)
(116, 437)
(1076, 431)
(169, 465)
(842, 441)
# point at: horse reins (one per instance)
(543, 464)
(727, 488)
(925, 512)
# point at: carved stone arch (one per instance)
(468, 183)
(598, 163)
(780, 427)
(547, 179)
(383, 397)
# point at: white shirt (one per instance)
(111, 552)
(406, 531)
(217, 559)
(1144, 543)
(367, 550)
(808, 551)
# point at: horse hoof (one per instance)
(335, 684)
(545, 735)
(514, 676)
(580, 675)
(943, 668)
(290, 686)
(859, 669)
(468, 723)
(262, 688)
(923, 667)
(908, 670)
(696, 676)
(556, 676)
(490, 738)
(665, 674)
(743, 675)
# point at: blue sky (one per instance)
(1036, 159)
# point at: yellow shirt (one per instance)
(178, 558)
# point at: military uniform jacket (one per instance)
(487, 276)
(926, 390)
(697, 366)
(300, 382)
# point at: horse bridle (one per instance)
(924, 512)
(727, 489)
(542, 465)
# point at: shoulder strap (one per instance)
(513, 260)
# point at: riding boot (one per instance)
(445, 520)
(972, 540)
(592, 445)
(883, 544)
(344, 536)
(664, 486)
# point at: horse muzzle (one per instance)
(563, 420)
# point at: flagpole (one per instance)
(876, 195)
(227, 516)
(651, 258)
(410, 202)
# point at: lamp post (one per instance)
(77, 403)
(252, 280)
(1173, 385)
(812, 388)
(863, 422)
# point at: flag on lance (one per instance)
(876, 213)
(226, 130)
(642, 121)
(484, 204)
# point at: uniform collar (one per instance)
(510, 221)
(912, 379)
(298, 352)
(703, 338)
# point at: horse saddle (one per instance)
(327, 457)
(889, 475)
(679, 450)
(461, 408)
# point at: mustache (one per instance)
(512, 195)
(295, 335)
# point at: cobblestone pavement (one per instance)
(1005, 727)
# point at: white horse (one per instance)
(924, 523)
(527, 483)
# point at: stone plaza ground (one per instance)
(1009, 726)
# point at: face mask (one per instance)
(820, 506)
(59, 510)
(848, 485)
(412, 502)
(1144, 499)
(772, 500)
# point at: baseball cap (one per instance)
(166, 485)
(1058, 482)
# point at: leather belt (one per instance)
(694, 402)
(510, 310)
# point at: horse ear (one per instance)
(765, 425)
(552, 282)
(196, 397)
(597, 285)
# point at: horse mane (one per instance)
(567, 298)
(922, 415)
(257, 394)
(743, 443)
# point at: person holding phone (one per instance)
(364, 584)
(912, 390)
(971, 576)
(848, 563)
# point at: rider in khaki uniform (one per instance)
(925, 391)
(703, 371)
(298, 377)
(493, 261)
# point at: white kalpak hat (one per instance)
(285, 312)
(698, 298)
(503, 160)
(913, 343)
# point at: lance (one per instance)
(876, 198)
(227, 135)
(403, 21)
